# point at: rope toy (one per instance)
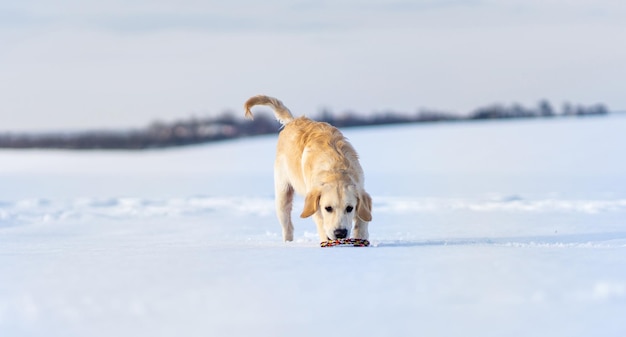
(339, 242)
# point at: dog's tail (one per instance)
(283, 115)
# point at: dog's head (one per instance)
(338, 204)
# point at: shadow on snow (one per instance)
(593, 240)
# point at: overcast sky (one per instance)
(67, 65)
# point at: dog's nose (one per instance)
(341, 233)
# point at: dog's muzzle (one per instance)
(341, 233)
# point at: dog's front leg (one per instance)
(360, 229)
(284, 203)
(319, 222)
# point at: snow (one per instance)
(499, 228)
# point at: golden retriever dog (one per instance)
(316, 161)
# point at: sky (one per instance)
(70, 65)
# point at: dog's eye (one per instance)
(349, 209)
(329, 209)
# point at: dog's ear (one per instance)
(311, 203)
(364, 207)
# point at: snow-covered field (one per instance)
(481, 229)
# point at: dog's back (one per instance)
(307, 148)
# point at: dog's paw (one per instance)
(360, 231)
(361, 235)
(288, 236)
(288, 233)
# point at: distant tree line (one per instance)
(543, 109)
(228, 126)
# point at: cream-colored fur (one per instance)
(315, 160)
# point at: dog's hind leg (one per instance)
(284, 204)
